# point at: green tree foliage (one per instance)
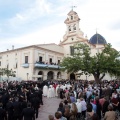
(8, 72)
(1, 71)
(105, 61)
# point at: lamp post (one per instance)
(0, 76)
(27, 75)
(86, 75)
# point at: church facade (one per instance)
(41, 62)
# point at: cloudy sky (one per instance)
(27, 22)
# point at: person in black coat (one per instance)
(23, 104)
(17, 109)
(3, 115)
(40, 92)
(61, 108)
(9, 108)
(36, 104)
(61, 93)
(5, 98)
(28, 113)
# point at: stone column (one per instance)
(45, 75)
(55, 75)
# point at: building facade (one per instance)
(41, 62)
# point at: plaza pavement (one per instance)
(50, 107)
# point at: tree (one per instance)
(98, 65)
(8, 72)
(1, 73)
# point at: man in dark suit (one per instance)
(28, 113)
(36, 104)
(40, 92)
(5, 98)
(17, 109)
(3, 115)
(9, 108)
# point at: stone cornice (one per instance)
(71, 21)
(30, 47)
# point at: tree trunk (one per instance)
(103, 75)
(96, 77)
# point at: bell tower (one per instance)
(73, 32)
(72, 22)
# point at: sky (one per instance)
(30, 22)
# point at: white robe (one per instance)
(68, 86)
(53, 92)
(45, 90)
(49, 94)
(56, 94)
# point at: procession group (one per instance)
(83, 100)
(20, 100)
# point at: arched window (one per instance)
(40, 73)
(69, 28)
(71, 17)
(58, 75)
(50, 75)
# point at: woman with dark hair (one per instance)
(67, 113)
(105, 106)
(74, 110)
(61, 108)
(90, 113)
(110, 115)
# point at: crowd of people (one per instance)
(83, 100)
(20, 100)
(80, 100)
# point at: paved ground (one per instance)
(50, 107)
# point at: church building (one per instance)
(41, 62)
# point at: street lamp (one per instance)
(0, 75)
(86, 75)
(27, 75)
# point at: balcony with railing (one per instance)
(47, 65)
(25, 65)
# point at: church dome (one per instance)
(97, 39)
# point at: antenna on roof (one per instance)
(96, 30)
(73, 7)
(97, 39)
